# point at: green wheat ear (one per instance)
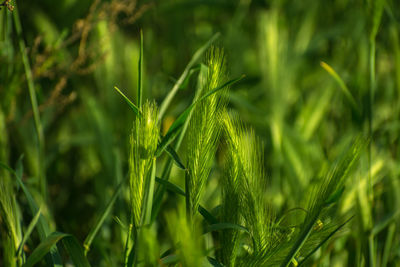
(244, 183)
(204, 130)
(327, 193)
(143, 140)
(230, 191)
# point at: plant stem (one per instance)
(150, 195)
(35, 109)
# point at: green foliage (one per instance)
(203, 132)
(279, 175)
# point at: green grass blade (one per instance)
(176, 189)
(5, 166)
(227, 84)
(341, 84)
(170, 186)
(223, 226)
(328, 190)
(196, 56)
(379, 226)
(150, 194)
(335, 196)
(388, 244)
(299, 242)
(173, 131)
(34, 103)
(175, 128)
(203, 69)
(129, 102)
(207, 215)
(140, 74)
(170, 259)
(43, 248)
(214, 262)
(75, 251)
(71, 244)
(326, 239)
(43, 227)
(178, 162)
(28, 232)
(93, 232)
(192, 71)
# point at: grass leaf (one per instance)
(28, 232)
(176, 189)
(177, 125)
(131, 105)
(43, 248)
(341, 83)
(223, 226)
(324, 241)
(74, 249)
(140, 74)
(178, 162)
(93, 232)
(196, 56)
(43, 227)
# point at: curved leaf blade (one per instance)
(176, 127)
(129, 102)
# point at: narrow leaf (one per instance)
(223, 226)
(381, 225)
(150, 194)
(170, 259)
(341, 84)
(75, 251)
(140, 74)
(192, 71)
(227, 84)
(171, 151)
(207, 215)
(173, 131)
(43, 248)
(28, 232)
(196, 56)
(170, 186)
(43, 227)
(176, 189)
(335, 196)
(214, 262)
(93, 232)
(131, 105)
(175, 128)
(323, 241)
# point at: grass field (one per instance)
(200, 133)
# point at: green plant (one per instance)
(288, 182)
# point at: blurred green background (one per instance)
(77, 51)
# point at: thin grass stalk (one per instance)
(196, 56)
(140, 74)
(388, 244)
(33, 99)
(376, 15)
(150, 194)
